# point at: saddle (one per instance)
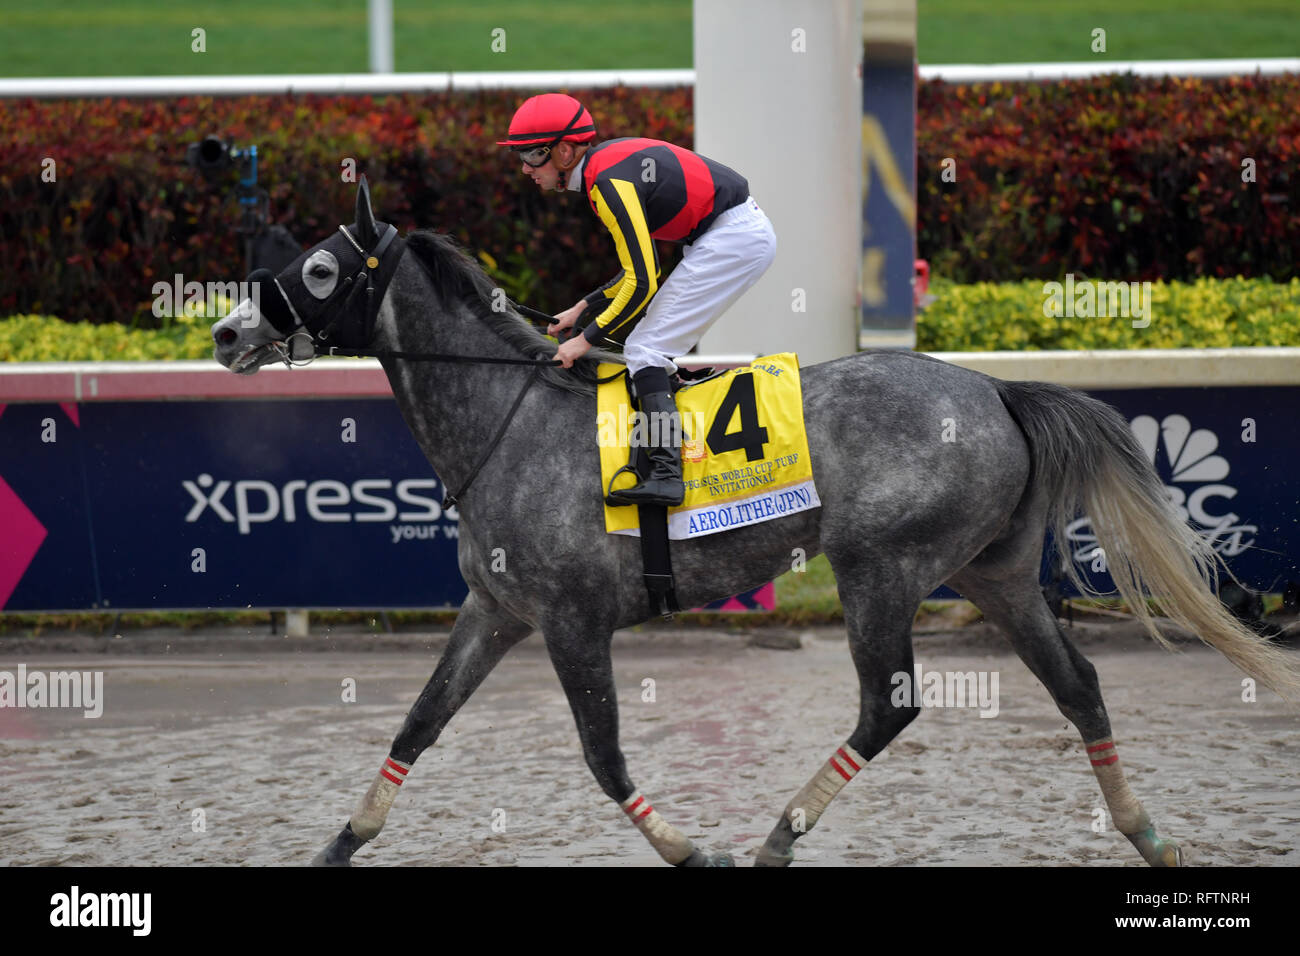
(744, 459)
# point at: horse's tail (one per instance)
(1088, 457)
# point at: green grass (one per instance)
(810, 593)
(564, 35)
(153, 37)
(100, 624)
(804, 598)
(1027, 31)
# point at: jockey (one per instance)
(643, 190)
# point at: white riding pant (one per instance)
(714, 272)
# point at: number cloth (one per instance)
(744, 450)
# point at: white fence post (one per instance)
(381, 36)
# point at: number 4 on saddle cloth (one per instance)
(744, 459)
(744, 450)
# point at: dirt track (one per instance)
(264, 745)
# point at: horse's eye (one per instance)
(320, 273)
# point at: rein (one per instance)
(452, 497)
(337, 352)
(370, 263)
(314, 341)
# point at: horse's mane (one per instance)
(456, 274)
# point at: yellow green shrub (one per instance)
(40, 338)
(985, 316)
(1206, 313)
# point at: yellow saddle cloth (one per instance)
(744, 448)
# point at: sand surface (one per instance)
(263, 744)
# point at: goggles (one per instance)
(533, 156)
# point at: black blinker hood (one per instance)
(346, 318)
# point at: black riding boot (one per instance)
(664, 449)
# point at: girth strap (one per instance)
(656, 561)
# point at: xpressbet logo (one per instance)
(256, 501)
(1197, 475)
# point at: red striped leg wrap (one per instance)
(1125, 810)
(818, 792)
(663, 836)
(370, 815)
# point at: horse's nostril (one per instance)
(226, 337)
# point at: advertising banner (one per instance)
(222, 504)
(329, 503)
(1228, 461)
(285, 503)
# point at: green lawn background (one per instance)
(153, 37)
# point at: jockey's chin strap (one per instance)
(562, 181)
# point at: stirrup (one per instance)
(661, 501)
(609, 489)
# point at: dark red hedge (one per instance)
(1117, 177)
(1114, 176)
(126, 212)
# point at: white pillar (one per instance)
(381, 36)
(778, 97)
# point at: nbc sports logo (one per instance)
(1194, 477)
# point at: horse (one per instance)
(928, 474)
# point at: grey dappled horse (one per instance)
(903, 512)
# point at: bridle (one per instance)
(356, 290)
(363, 280)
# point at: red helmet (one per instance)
(549, 119)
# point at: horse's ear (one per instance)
(367, 234)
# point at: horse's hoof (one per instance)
(1157, 851)
(324, 858)
(340, 850)
(703, 859)
(769, 857)
(1170, 853)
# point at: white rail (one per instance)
(1139, 368)
(1011, 72)
(335, 83)
(381, 83)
